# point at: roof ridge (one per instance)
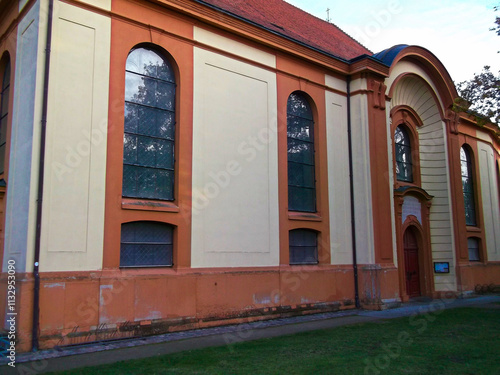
(329, 23)
(289, 21)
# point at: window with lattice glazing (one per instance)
(146, 244)
(468, 187)
(402, 152)
(301, 173)
(473, 246)
(149, 129)
(303, 245)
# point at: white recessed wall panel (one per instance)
(235, 183)
(491, 205)
(338, 178)
(362, 177)
(73, 216)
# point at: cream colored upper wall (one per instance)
(365, 244)
(233, 47)
(484, 135)
(235, 171)
(338, 178)
(103, 4)
(489, 195)
(336, 83)
(436, 181)
(73, 215)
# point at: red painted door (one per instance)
(412, 273)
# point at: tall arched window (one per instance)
(149, 131)
(402, 146)
(468, 186)
(4, 112)
(301, 174)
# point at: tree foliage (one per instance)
(482, 93)
(497, 23)
(480, 96)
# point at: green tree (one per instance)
(482, 96)
(497, 23)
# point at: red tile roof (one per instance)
(292, 22)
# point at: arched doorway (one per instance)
(412, 269)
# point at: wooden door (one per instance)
(412, 273)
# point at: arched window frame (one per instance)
(164, 173)
(406, 118)
(5, 90)
(301, 183)
(468, 185)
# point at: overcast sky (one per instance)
(456, 31)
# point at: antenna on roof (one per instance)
(328, 19)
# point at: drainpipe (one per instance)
(41, 170)
(351, 184)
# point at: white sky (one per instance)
(456, 31)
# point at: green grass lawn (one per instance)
(456, 341)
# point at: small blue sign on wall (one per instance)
(441, 267)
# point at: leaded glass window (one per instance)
(4, 112)
(303, 246)
(149, 131)
(468, 187)
(301, 174)
(404, 166)
(146, 243)
(473, 246)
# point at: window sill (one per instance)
(308, 216)
(147, 205)
(400, 183)
(303, 264)
(476, 263)
(473, 229)
(146, 266)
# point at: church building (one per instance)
(168, 165)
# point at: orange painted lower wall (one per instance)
(22, 314)
(89, 306)
(82, 307)
(378, 286)
(476, 277)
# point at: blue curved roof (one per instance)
(388, 55)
